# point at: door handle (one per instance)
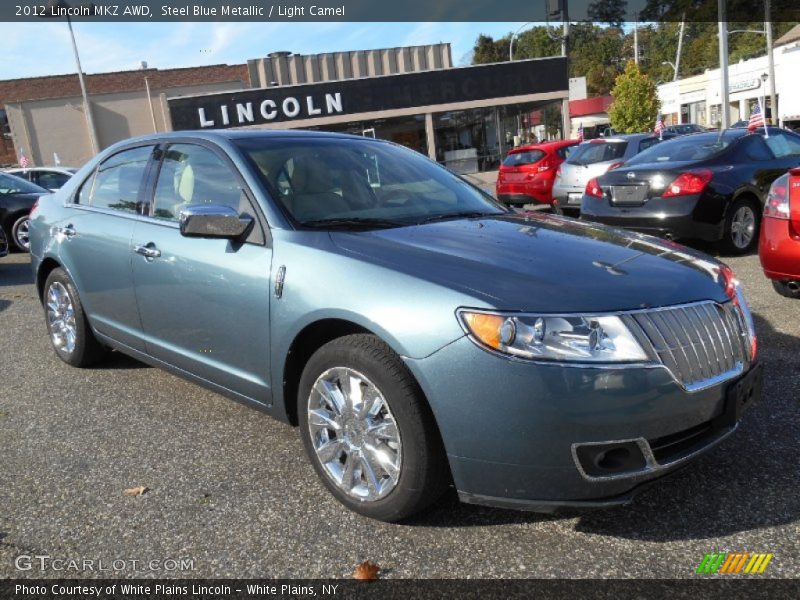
(147, 251)
(68, 231)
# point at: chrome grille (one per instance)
(701, 344)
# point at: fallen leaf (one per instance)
(366, 571)
(137, 491)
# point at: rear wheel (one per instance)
(368, 431)
(70, 334)
(20, 233)
(790, 289)
(741, 227)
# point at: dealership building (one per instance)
(465, 117)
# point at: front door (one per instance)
(204, 303)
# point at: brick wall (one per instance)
(65, 86)
(62, 86)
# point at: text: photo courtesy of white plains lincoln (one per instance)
(421, 336)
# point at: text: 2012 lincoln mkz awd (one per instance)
(419, 333)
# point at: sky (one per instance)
(35, 49)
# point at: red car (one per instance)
(779, 248)
(527, 173)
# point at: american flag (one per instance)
(580, 132)
(23, 160)
(659, 128)
(756, 119)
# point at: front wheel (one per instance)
(368, 431)
(69, 330)
(741, 227)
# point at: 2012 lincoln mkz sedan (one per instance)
(420, 334)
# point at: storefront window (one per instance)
(5, 130)
(406, 131)
(466, 140)
(470, 141)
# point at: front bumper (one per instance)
(510, 428)
(673, 217)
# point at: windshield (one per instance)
(525, 157)
(9, 184)
(596, 152)
(683, 149)
(350, 182)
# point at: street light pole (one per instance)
(513, 36)
(773, 103)
(723, 66)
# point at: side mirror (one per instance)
(213, 221)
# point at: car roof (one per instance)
(543, 146)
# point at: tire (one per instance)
(741, 227)
(67, 326)
(407, 462)
(783, 289)
(19, 233)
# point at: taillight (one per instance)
(777, 203)
(34, 208)
(686, 184)
(558, 172)
(593, 189)
(614, 166)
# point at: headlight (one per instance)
(579, 338)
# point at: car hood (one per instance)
(543, 263)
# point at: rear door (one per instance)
(204, 303)
(95, 243)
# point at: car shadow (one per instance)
(748, 482)
(15, 273)
(118, 360)
(4, 304)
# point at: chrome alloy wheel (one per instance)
(354, 434)
(22, 235)
(61, 317)
(743, 227)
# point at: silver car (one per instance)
(591, 159)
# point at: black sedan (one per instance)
(708, 186)
(17, 196)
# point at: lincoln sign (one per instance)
(264, 106)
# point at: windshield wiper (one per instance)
(459, 215)
(352, 222)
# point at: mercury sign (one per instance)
(246, 113)
(746, 84)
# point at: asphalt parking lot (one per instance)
(231, 489)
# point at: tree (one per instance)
(636, 105)
(608, 11)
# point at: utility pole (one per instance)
(636, 40)
(773, 103)
(723, 66)
(680, 46)
(87, 107)
(566, 127)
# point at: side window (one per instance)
(783, 144)
(118, 179)
(195, 175)
(754, 148)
